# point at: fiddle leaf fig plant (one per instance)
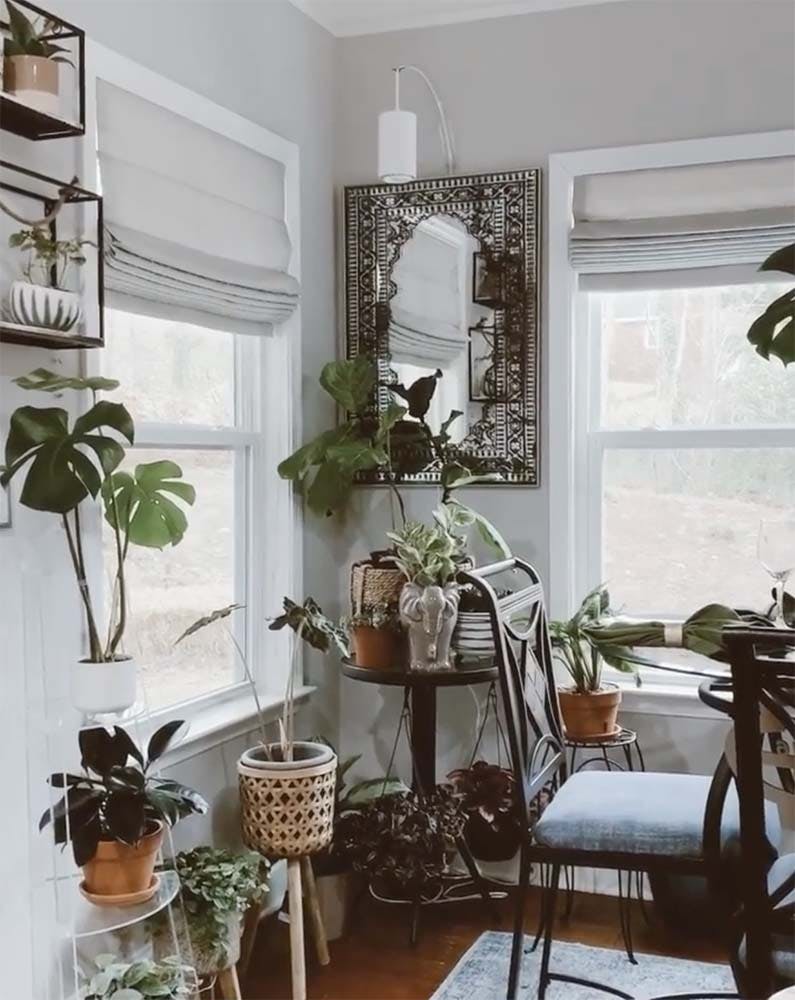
(323, 470)
(66, 464)
(773, 333)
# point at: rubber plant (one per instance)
(64, 465)
(773, 333)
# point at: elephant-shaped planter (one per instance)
(429, 614)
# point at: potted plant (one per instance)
(493, 829)
(30, 60)
(63, 466)
(403, 843)
(473, 638)
(43, 298)
(217, 887)
(141, 980)
(377, 637)
(589, 707)
(115, 811)
(773, 333)
(430, 557)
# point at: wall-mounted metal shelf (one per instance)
(33, 195)
(21, 118)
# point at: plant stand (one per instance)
(227, 986)
(420, 697)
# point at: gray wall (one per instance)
(515, 90)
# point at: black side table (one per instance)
(421, 690)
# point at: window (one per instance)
(193, 393)
(685, 440)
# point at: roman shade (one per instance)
(651, 222)
(194, 221)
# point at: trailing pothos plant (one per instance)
(116, 797)
(773, 333)
(66, 464)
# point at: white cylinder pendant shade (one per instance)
(397, 146)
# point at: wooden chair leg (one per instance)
(315, 916)
(229, 984)
(297, 958)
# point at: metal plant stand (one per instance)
(419, 714)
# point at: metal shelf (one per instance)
(20, 118)
(39, 336)
(90, 919)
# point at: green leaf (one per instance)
(60, 474)
(781, 260)
(357, 455)
(43, 380)
(138, 504)
(388, 418)
(214, 616)
(349, 383)
(297, 466)
(774, 331)
(23, 30)
(330, 488)
(314, 627)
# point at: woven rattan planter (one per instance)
(287, 807)
(375, 583)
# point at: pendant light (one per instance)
(397, 137)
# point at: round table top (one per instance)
(476, 672)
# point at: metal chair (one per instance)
(624, 821)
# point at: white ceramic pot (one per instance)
(38, 305)
(32, 80)
(98, 688)
(472, 636)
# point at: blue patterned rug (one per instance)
(482, 972)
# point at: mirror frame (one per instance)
(502, 212)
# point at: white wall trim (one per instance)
(564, 168)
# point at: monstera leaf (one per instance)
(773, 333)
(137, 504)
(62, 470)
(43, 380)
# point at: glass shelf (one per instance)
(90, 919)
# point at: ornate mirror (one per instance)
(441, 284)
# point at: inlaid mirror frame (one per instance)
(501, 212)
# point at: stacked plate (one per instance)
(472, 637)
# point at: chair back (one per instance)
(527, 684)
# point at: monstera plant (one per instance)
(773, 333)
(65, 464)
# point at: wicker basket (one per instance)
(375, 583)
(287, 808)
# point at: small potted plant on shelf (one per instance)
(31, 58)
(65, 466)
(216, 887)
(114, 813)
(430, 557)
(377, 637)
(589, 707)
(43, 299)
(115, 979)
(403, 843)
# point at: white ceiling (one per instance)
(364, 17)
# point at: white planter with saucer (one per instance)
(98, 688)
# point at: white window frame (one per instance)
(269, 545)
(575, 465)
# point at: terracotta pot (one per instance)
(590, 716)
(379, 648)
(119, 869)
(33, 80)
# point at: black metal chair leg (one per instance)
(625, 915)
(550, 895)
(569, 875)
(540, 928)
(416, 909)
(517, 944)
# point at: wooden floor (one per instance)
(374, 961)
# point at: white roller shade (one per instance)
(711, 215)
(194, 221)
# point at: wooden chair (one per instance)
(624, 821)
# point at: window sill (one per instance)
(217, 721)
(678, 700)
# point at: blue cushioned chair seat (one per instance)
(627, 812)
